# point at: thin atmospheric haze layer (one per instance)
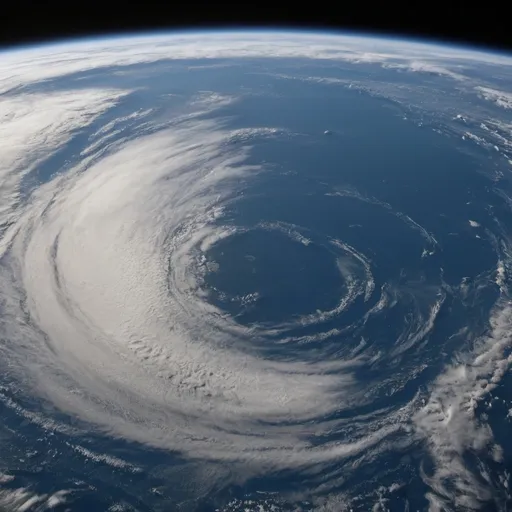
(255, 271)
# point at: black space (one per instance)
(481, 25)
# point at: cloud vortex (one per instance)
(109, 313)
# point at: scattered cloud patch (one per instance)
(501, 98)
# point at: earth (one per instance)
(255, 271)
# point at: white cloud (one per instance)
(33, 126)
(448, 422)
(23, 499)
(109, 460)
(501, 98)
(19, 68)
(428, 67)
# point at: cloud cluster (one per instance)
(501, 98)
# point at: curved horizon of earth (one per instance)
(255, 271)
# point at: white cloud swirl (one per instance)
(103, 308)
(117, 333)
